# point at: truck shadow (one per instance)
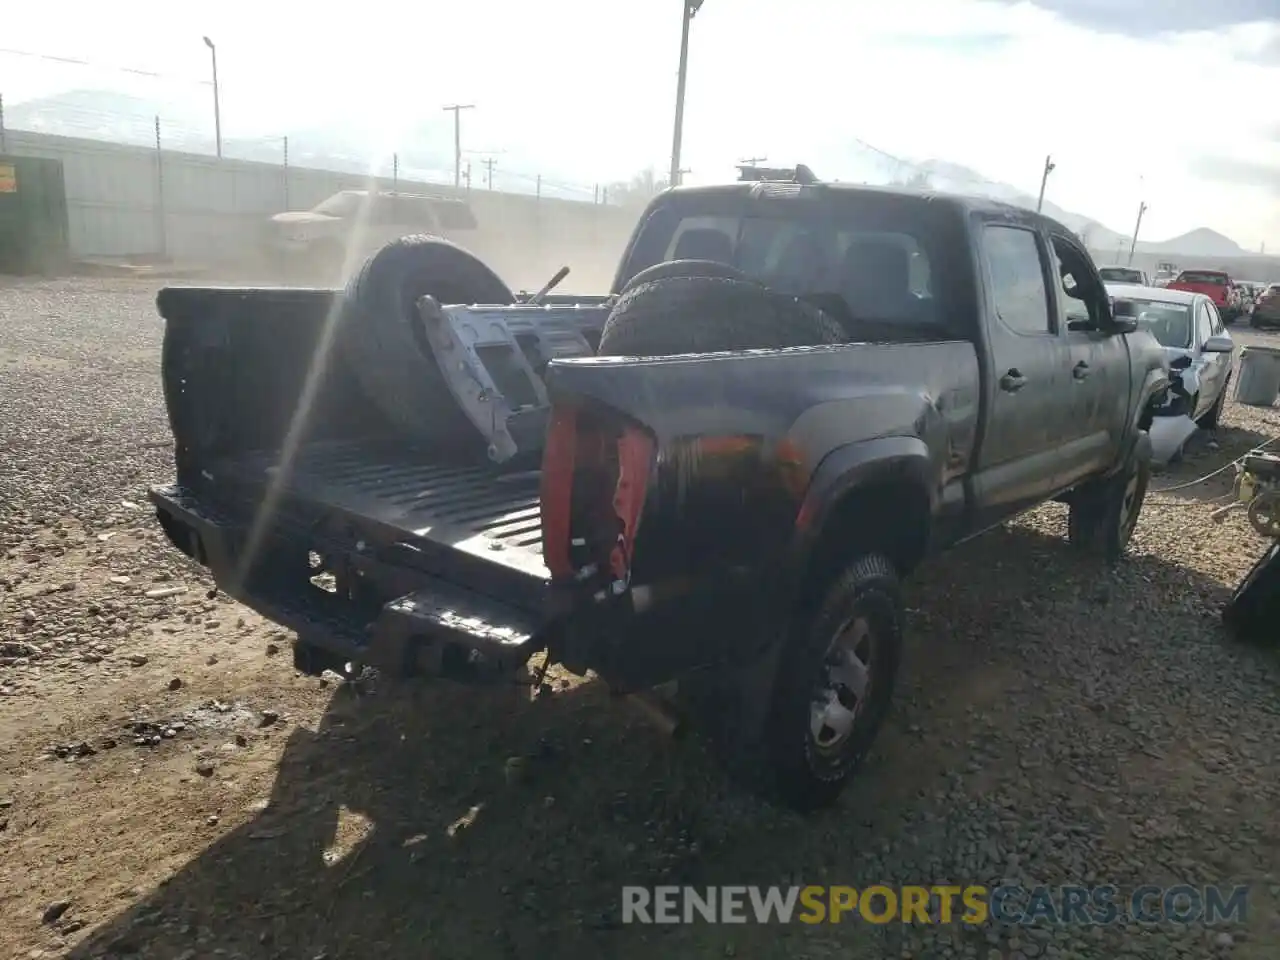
(446, 822)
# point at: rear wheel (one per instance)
(700, 314)
(834, 684)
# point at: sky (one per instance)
(1171, 102)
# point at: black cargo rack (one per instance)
(798, 174)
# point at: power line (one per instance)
(75, 61)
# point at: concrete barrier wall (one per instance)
(215, 212)
(128, 201)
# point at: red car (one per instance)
(1213, 284)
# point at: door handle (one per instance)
(1081, 370)
(1012, 382)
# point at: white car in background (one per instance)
(1165, 274)
(1118, 274)
(1199, 350)
(352, 224)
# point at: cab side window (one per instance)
(1078, 295)
(1016, 269)
(415, 212)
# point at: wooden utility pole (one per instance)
(691, 8)
(1044, 179)
(1142, 208)
(489, 164)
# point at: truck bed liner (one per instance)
(475, 509)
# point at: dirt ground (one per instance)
(170, 788)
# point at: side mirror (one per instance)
(1123, 317)
(1220, 343)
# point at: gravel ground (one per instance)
(169, 787)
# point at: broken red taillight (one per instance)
(635, 456)
(555, 493)
(595, 475)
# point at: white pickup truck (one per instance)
(352, 224)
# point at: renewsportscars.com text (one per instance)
(937, 904)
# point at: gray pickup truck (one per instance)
(713, 477)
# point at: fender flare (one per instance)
(844, 471)
(1138, 440)
(1155, 381)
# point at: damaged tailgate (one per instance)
(373, 552)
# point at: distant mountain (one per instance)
(103, 115)
(953, 177)
(424, 153)
(1201, 242)
(1198, 243)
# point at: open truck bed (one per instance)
(397, 487)
(327, 520)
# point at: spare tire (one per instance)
(381, 334)
(683, 268)
(697, 314)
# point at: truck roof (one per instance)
(774, 189)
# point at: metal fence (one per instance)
(130, 201)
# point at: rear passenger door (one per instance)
(1028, 405)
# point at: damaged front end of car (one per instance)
(1173, 423)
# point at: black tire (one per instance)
(684, 268)
(804, 772)
(1254, 608)
(1084, 519)
(1209, 421)
(382, 336)
(1102, 515)
(696, 314)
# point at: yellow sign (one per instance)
(8, 178)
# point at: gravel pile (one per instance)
(83, 433)
(1057, 723)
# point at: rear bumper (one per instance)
(433, 628)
